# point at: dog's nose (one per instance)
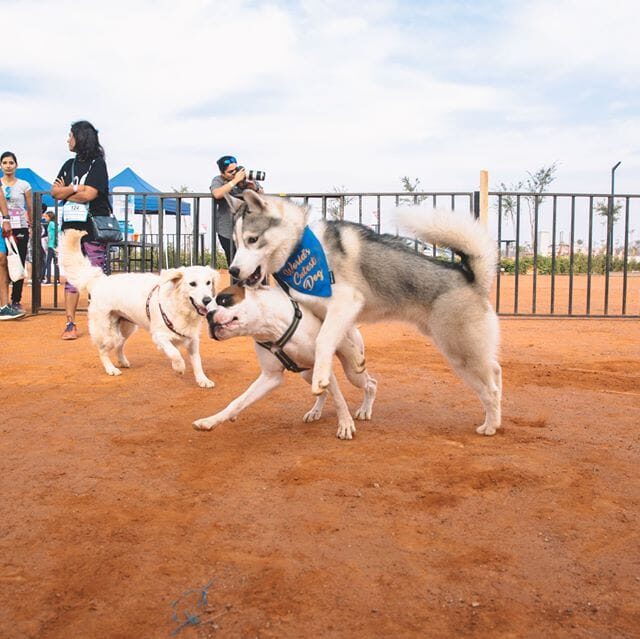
(234, 271)
(206, 301)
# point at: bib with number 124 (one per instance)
(75, 212)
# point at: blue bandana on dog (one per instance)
(307, 270)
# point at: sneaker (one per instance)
(16, 306)
(70, 331)
(9, 313)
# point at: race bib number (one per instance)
(75, 212)
(15, 217)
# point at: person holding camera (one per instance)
(233, 180)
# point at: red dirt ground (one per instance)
(113, 507)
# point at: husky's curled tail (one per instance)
(459, 232)
(77, 267)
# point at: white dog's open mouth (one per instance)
(201, 310)
(253, 279)
(221, 331)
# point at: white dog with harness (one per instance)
(285, 338)
(171, 306)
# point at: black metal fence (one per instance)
(561, 254)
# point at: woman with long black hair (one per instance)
(83, 186)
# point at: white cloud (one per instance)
(321, 93)
(567, 36)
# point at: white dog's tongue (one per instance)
(201, 310)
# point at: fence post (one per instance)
(484, 197)
(609, 253)
(195, 231)
(36, 254)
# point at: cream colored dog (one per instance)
(170, 306)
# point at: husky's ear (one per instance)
(171, 275)
(235, 204)
(254, 201)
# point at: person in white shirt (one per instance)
(17, 193)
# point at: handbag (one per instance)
(105, 229)
(14, 261)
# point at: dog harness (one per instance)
(276, 348)
(167, 321)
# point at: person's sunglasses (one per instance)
(229, 161)
(7, 192)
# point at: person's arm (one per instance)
(58, 186)
(4, 209)
(220, 191)
(73, 193)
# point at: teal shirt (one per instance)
(51, 234)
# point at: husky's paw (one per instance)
(313, 415)
(205, 382)
(487, 429)
(178, 366)
(207, 423)
(114, 371)
(123, 362)
(346, 429)
(364, 412)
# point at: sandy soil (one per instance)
(117, 515)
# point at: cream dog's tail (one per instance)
(460, 232)
(77, 267)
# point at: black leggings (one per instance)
(52, 260)
(22, 241)
(225, 242)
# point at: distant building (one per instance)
(544, 243)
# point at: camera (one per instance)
(253, 176)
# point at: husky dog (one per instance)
(170, 306)
(379, 278)
(268, 315)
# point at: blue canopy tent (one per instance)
(37, 184)
(129, 178)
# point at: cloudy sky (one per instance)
(327, 93)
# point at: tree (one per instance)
(411, 187)
(509, 202)
(336, 206)
(602, 208)
(537, 183)
(533, 188)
